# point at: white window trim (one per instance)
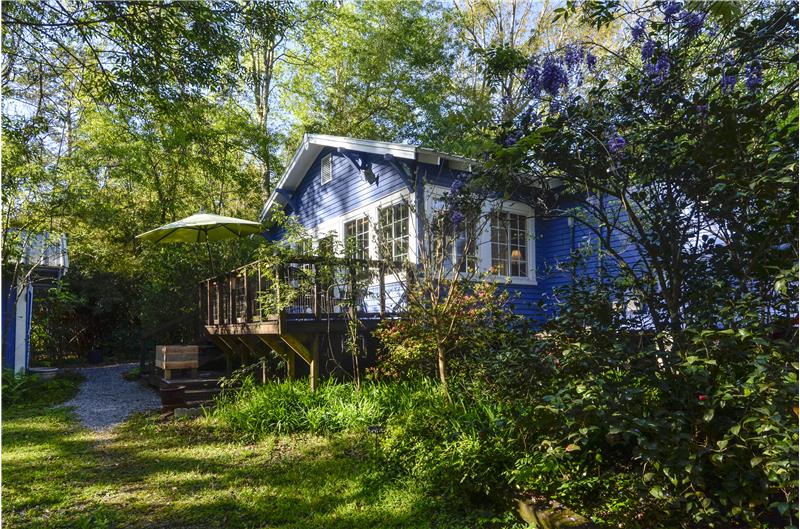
(370, 211)
(484, 242)
(507, 206)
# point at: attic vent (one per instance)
(326, 173)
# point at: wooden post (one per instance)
(290, 364)
(382, 288)
(278, 285)
(246, 296)
(218, 284)
(314, 366)
(316, 291)
(280, 347)
(208, 308)
(257, 302)
(231, 308)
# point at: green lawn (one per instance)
(186, 474)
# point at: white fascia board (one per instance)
(299, 161)
(398, 150)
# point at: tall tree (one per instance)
(266, 26)
(378, 70)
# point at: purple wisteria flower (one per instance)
(573, 56)
(648, 50)
(728, 60)
(456, 186)
(512, 138)
(530, 118)
(616, 145)
(693, 22)
(456, 217)
(554, 77)
(753, 78)
(638, 30)
(659, 70)
(533, 77)
(702, 109)
(728, 83)
(670, 10)
(591, 60)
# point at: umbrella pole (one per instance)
(210, 259)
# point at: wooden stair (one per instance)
(199, 391)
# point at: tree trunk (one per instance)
(442, 364)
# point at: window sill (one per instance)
(511, 280)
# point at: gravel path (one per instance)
(106, 399)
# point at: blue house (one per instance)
(42, 260)
(350, 188)
(381, 198)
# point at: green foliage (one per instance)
(668, 380)
(378, 70)
(28, 391)
(15, 386)
(291, 406)
(477, 318)
(53, 469)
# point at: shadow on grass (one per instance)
(148, 475)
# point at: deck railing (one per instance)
(312, 288)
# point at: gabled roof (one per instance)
(313, 144)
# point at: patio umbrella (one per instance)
(202, 227)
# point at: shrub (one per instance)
(29, 391)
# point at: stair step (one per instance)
(195, 391)
(192, 395)
(198, 403)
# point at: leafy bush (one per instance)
(16, 386)
(23, 390)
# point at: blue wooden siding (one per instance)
(12, 358)
(346, 192)
(9, 326)
(556, 242)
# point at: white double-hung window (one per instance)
(393, 232)
(356, 237)
(509, 242)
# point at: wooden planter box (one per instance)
(169, 357)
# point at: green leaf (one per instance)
(755, 461)
(708, 415)
(572, 447)
(657, 492)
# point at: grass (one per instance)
(290, 406)
(186, 474)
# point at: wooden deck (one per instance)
(291, 307)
